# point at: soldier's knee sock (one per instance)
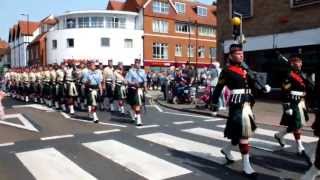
(138, 117)
(297, 137)
(244, 148)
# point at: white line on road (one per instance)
(214, 119)
(213, 134)
(158, 108)
(112, 124)
(65, 115)
(57, 137)
(271, 133)
(201, 150)
(50, 164)
(147, 126)
(7, 144)
(26, 124)
(106, 131)
(144, 164)
(183, 122)
(190, 115)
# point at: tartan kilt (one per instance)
(119, 92)
(60, 90)
(36, 88)
(46, 89)
(299, 117)
(26, 88)
(240, 123)
(109, 90)
(92, 96)
(71, 89)
(132, 96)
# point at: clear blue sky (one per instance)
(10, 10)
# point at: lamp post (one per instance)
(28, 34)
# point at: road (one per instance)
(40, 143)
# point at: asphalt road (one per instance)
(40, 143)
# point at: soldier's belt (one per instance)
(93, 87)
(241, 91)
(298, 93)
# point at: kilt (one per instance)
(119, 92)
(92, 95)
(46, 89)
(72, 89)
(60, 90)
(299, 117)
(240, 123)
(135, 96)
(109, 90)
(26, 88)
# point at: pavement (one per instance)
(267, 112)
(37, 142)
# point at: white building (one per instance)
(96, 35)
(20, 36)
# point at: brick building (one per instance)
(174, 31)
(287, 26)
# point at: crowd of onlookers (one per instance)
(204, 79)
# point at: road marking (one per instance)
(201, 150)
(214, 119)
(50, 164)
(213, 134)
(35, 106)
(26, 124)
(112, 124)
(144, 164)
(147, 126)
(271, 133)
(158, 108)
(190, 115)
(65, 115)
(57, 137)
(7, 144)
(183, 122)
(106, 131)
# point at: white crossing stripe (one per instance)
(57, 137)
(50, 164)
(147, 126)
(271, 133)
(7, 144)
(213, 134)
(214, 119)
(142, 163)
(106, 131)
(182, 122)
(198, 149)
(182, 114)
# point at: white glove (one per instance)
(214, 113)
(267, 88)
(289, 112)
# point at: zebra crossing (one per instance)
(50, 163)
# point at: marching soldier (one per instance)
(46, 78)
(314, 171)
(8, 81)
(33, 87)
(137, 82)
(240, 124)
(120, 89)
(70, 77)
(39, 85)
(108, 78)
(93, 81)
(60, 89)
(295, 114)
(81, 71)
(25, 84)
(100, 100)
(53, 78)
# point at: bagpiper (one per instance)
(93, 80)
(314, 171)
(240, 124)
(137, 84)
(295, 113)
(72, 93)
(108, 78)
(120, 89)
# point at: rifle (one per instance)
(304, 77)
(259, 84)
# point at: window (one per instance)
(178, 50)
(83, 22)
(128, 43)
(190, 51)
(160, 51)
(180, 7)
(207, 31)
(54, 44)
(160, 26)
(97, 22)
(71, 23)
(160, 7)
(184, 27)
(299, 3)
(70, 43)
(115, 22)
(243, 7)
(212, 52)
(201, 52)
(105, 42)
(202, 11)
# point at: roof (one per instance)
(115, 5)
(128, 5)
(27, 28)
(39, 38)
(50, 20)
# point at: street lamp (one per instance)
(28, 34)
